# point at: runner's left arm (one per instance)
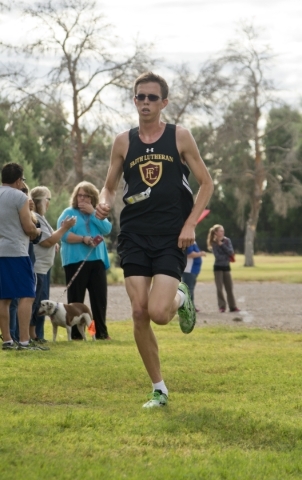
(190, 155)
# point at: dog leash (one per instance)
(96, 241)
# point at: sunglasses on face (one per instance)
(153, 98)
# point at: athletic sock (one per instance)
(182, 297)
(160, 386)
(24, 343)
(9, 342)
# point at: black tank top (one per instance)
(156, 166)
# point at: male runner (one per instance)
(158, 221)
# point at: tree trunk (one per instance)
(249, 244)
(251, 225)
(77, 153)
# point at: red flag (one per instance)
(203, 215)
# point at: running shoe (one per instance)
(9, 346)
(31, 346)
(40, 340)
(222, 310)
(186, 313)
(157, 399)
(234, 309)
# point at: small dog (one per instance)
(62, 315)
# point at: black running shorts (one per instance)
(149, 255)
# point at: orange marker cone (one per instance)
(91, 328)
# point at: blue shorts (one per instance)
(17, 278)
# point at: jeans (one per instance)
(13, 319)
(44, 296)
(190, 280)
(224, 279)
(42, 293)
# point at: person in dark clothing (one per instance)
(222, 249)
(158, 220)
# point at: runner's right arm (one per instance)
(115, 171)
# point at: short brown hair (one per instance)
(152, 77)
(89, 189)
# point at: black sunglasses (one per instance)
(23, 179)
(153, 98)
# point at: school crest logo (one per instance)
(151, 172)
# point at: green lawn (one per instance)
(235, 409)
(277, 268)
(268, 268)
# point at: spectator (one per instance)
(44, 253)
(75, 247)
(193, 267)
(222, 249)
(13, 322)
(17, 278)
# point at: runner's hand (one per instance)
(186, 237)
(102, 211)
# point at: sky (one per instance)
(195, 30)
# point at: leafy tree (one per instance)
(282, 202)
(6, 140)
(87, 64)
(223, 204)
(247, 62)
(34, 134)
(283, 149)
(194, 94)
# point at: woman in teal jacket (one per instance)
(75, 246)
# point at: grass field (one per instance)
(235, 409)
(268, 268)
(234, 413)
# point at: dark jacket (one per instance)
(222, 253)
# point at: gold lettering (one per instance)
(153, 156)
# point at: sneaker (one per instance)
(157, 399)
(9, 346)
(31, 346)
(197, 310)
(40, 340)
(222, 310)
(234, 309)
(186, 313)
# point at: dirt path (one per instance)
(266, 305)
